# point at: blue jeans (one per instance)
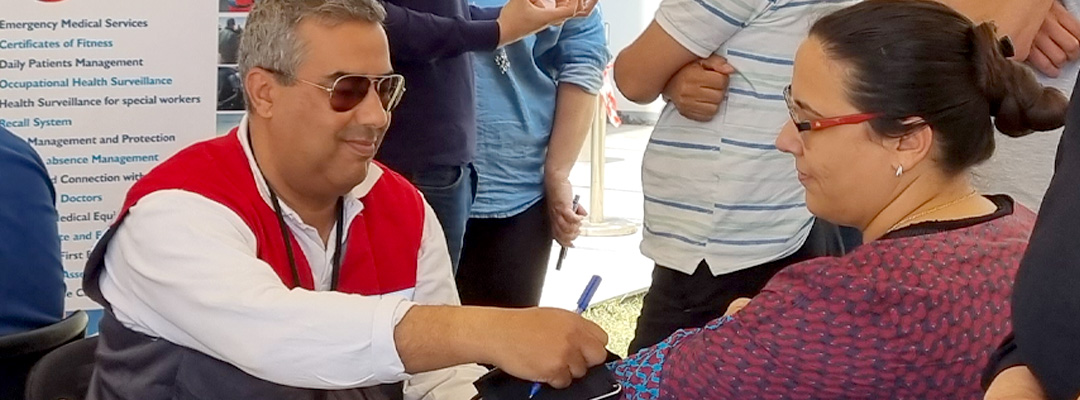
(450, 191)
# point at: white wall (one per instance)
(626, 19)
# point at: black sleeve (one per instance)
(484, 13)
(420, 37)
(1046, 304)
(1003, 358)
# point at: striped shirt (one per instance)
(720, 191)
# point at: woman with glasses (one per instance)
(892, 102)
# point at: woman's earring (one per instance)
(899, 171)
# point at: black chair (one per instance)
(19, 352)
(63, 374)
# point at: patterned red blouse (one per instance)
(913, 315)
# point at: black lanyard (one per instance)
(286, 234)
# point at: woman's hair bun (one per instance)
(1018, 102)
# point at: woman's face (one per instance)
(847, 170)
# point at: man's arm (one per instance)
(644, 68)
(183, 268)
(420, 37)
(1020, 19)
(435, 286)
(33, 283)
(574, 112)
(683, 32)
(579, 59)
(543, 345)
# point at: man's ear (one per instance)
(260, 86)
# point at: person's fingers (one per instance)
(1039, 60)
(582, 211)
(695, 114)
(714, 81)
(595, 354)
(596, 332)
(587, 7)
(706, 107)
(567, 220)
(565, 231)
(710, 95)
(568, 214)
(563, 10)
(1066, 19)
(561, 379)
(1064, 40)
(564, 237)
(1051, 50)
(718, 64)
(578, 365)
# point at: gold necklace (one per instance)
(932, 210)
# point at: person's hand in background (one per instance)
(1057, 43)
(1018, 19)
(736, 305)
(521, 18)
(1016, 383)
(565, 220)
(698, 89)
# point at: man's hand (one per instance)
(699, 87)
(1057, 43)
(537, 344)
(1016, 383)
(565, 222)
(521, 18)
(546, 345)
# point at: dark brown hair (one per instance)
(921, 58)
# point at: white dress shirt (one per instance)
(183, 268)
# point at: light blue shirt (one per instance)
(515, 109)
(720, 191)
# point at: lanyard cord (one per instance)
(286, 234)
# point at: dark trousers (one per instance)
(450, 191)
(504, 260)
(677, 301)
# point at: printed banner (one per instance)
(105, 90)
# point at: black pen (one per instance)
(562, 250)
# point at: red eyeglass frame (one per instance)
(823, 123)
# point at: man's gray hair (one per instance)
(270, 40)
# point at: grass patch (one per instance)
(618, 317)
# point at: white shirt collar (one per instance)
(353, 205)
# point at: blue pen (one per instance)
(582, 304)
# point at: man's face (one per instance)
(331, 147)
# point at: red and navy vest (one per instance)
(381, 252)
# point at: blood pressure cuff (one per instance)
(598, 384)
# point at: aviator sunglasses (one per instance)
(349, 90)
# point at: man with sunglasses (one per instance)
(280, 262)
(433, 141)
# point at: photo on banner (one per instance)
(235, 5)
(232, 20)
